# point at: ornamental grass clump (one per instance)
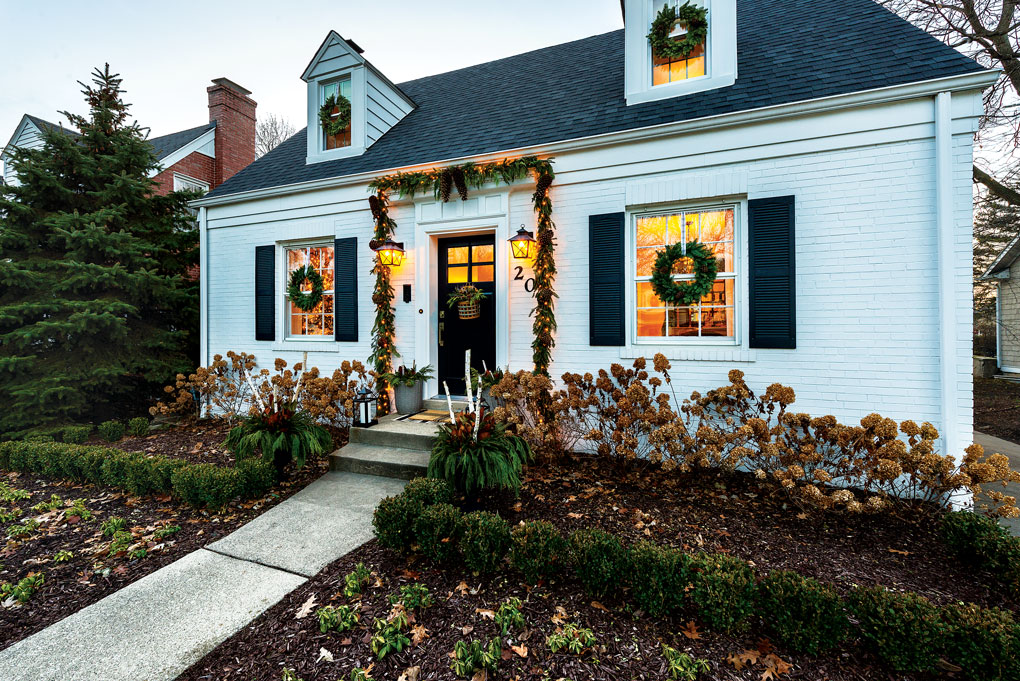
(903, 629)
(475, 454)
(599, 559)
(437, 532)
(538, 550)
(801, 613)
(484, 541)
(278, 429)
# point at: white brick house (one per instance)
(853, 151)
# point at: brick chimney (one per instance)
(234, 113)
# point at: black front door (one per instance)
(466, 260)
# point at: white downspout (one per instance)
(947, 265)
(203, 287)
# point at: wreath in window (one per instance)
(335, 123)
(674, 292)
(693, 17)
(302, 300)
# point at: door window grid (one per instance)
(714, 315)
(470, 264)
(342, 87)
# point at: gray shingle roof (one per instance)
(163, 145)
(788, 51)
(167, 144)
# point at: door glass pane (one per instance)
(482, 273)
(457, 275)
(482, 253)
(457, 256)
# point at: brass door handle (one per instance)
(440, 334)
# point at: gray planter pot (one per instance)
(407, 400)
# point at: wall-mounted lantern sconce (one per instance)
(520, 244)
(390, 253)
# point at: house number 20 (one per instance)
(529, 283)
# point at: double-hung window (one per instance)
(337, 88)
(666, 70)
(319, 320)
(713, 316)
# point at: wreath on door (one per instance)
(335, 123)
(302, 300)
(693, 17)
(673, 292)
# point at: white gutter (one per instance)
(928, 88)
(948, 317)
(203, 289)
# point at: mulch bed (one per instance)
(700, 514)
(200, 442)
(997, 408)
(93, 574)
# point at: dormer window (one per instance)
(335, 90)
(678, 47)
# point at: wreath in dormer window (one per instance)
(694, 18)
(335, 123)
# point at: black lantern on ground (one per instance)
(520, 244)
(365, 405)
(390, 252)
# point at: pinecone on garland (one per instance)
(460, 182)
(445, 185)
(545, 181)
(376, 206)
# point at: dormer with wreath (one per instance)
(351, 104)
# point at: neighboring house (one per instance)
(200, 158)
(1004, 272)
(824, 148)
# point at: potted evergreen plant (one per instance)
(407, 397)
(468, 299)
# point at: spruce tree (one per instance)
(97, 307)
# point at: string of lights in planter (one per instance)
(441, 182)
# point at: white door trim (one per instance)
(426, 277)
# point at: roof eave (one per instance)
(978, 80)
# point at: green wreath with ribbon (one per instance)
(693, 17)
(334, 124)
(305, 301)
(673, 292)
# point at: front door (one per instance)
(466, 260)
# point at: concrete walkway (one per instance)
(994, 445)
(155, 628)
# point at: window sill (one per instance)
(325, 344)
(689, 353)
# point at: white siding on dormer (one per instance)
(384, 108)
(334, 58)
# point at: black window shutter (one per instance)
(345, 283)
(773, 272)
(265, 293)
(606, 272)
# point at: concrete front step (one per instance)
(387, 462)
(439, 404)
(391, 431)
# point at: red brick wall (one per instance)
(196, 165)
(234, 113)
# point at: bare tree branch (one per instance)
(270, 132)
(997, 188)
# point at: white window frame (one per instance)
(283, 249)
(316, 144)
(739, 282)
(322, 100)
(180, 180)
(708, 47)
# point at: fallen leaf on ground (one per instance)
(418, 634)
(486, 614)
(902, 553)
(324, 655)
(467, 630)
(561, 615)
(306, 609)
(521, 650)
(691, 631)
(741, 660)
(410, 674)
